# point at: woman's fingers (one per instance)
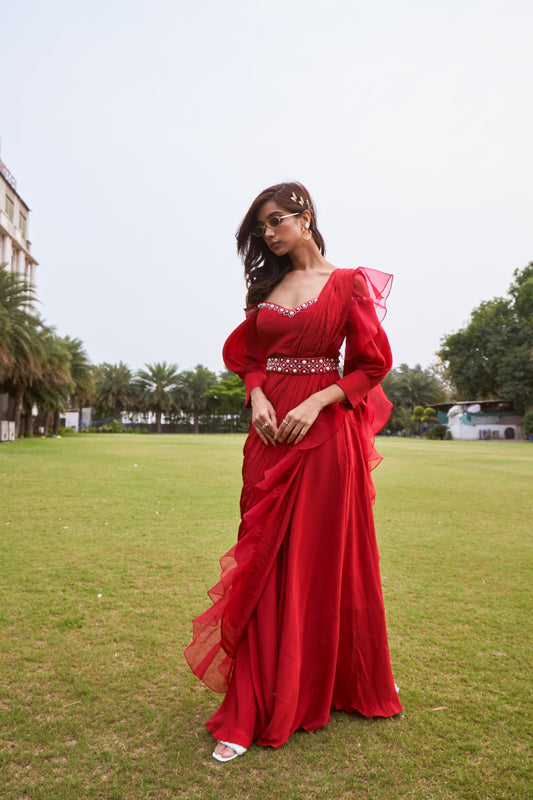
(297, 434)
(282, 430)
(290, 429)
(296, 423)
(301, 435)
(264, 420)
(286, 429)
(265, 430)
(262, 436)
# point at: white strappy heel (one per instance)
(239, 751)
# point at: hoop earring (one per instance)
(306, 233)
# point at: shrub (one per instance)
(528, 424)
(113, 427)
(438, 432)
(64, 431)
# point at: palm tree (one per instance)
(114, 388)
(191, 394)
(50, 392)
(81, 373)
(80, 370)
(21, 341)
(156, 384)
(412, 386)
(15, 319)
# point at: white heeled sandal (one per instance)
(239, 751)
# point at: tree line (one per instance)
(490, 358)
(43, 374)
(191, 400)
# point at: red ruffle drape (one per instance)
(285, 496)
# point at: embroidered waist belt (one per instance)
(302, 366)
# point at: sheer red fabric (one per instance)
(297, 624)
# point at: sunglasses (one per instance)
(272, 222)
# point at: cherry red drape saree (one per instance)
(297, 624)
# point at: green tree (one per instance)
(16, 321)
(429, 417)
(408, 387)
(157, 383)
(492, 356)
(21, 340)
(401, 421)
(417, 418)
(81, 373)
(50, 392)
(66, 380)
(191, 393)
(418, 386)
(411, 386)
(115, 391)
(528, 424)
(230, 396)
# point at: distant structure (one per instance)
(15, 247)
(480, 419)
(15, 251)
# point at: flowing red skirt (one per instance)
(298, 626)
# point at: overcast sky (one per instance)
(139, 131)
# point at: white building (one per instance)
(15, 247)
(15, 251)
(481, 419)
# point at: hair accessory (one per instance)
(300, 200)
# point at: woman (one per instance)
(297, 623)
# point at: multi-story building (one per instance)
(15, 247)
(15, 251)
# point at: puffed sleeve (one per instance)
(244, 355)
(368, 357)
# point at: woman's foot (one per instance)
(226, 751)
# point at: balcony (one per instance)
(6, 226)
(10, 229)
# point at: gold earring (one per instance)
(306, 233)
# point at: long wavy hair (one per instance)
(263, 269)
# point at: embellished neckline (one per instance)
(287, 312)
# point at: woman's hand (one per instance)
(263, 416)
(298, 421)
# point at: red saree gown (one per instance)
(297, 625)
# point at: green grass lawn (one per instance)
(107, 546)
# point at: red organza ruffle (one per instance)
(246, 567)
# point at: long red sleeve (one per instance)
(244, 355)
(368, 356)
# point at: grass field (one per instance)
(107, 546)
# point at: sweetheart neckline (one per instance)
(288, 312)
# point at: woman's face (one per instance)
(288, 234)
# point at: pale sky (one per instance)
(139, 131)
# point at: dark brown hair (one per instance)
(263, 269)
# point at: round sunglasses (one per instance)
(272, 222)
